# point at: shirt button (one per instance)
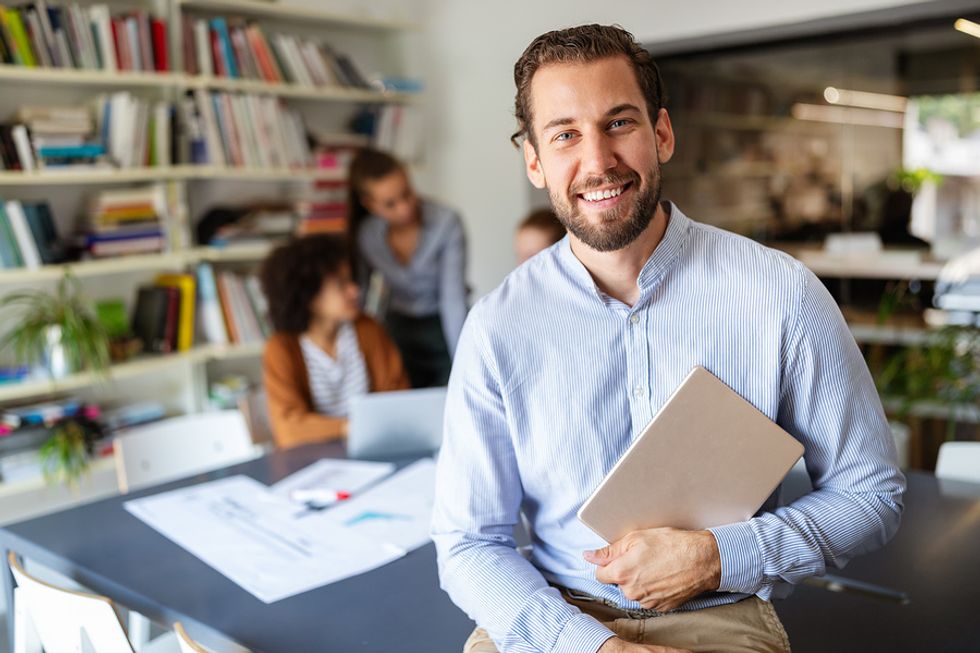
(634, 318)
(638, 391)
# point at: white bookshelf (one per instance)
(96, 267)
(178, 380)
(298, 91)
(81, 78)
(117, 176)
(297, 13)
(139, 366)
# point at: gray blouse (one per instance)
(434, 280)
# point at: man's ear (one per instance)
(664, 133)
(532, 165)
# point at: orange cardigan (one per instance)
(287, 383)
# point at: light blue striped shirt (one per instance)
(553, 379)
(434, 280)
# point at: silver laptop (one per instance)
(707, 458)
(387, 425)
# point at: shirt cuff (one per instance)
(741, 558)
(581, 633)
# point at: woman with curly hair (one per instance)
(323, 351)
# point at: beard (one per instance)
(619, 226)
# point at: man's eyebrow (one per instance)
(619, 108)
(622, 108)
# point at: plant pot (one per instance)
(55, 356)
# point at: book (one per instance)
(102, 25)
(22, 142)
(150, 317)
(22, 234)
(211, 323)
(14, 27)
(220, 27)
(42, 227)
(161, 59)
(185, 285)
(9, 251)
(227, 309)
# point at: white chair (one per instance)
(181, 446)
(67, 621)
(959, 461)
(187, 645)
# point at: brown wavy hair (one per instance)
(293, 274)
(368, 165)
(583, 44)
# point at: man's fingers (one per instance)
(606, 554)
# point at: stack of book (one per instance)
(243, 130)
(90, 38)
(60, 136)
(123, 131)
(231, 306)
(127, 221)
(236, 49)
(163, 317)
(28, 237)
(324, 209)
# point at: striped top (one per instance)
(553, 380)
(434, 280)
(333, 381)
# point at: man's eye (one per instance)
(564, 136)
(622, 122)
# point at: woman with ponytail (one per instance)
(419, 249)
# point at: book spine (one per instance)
(22, 233)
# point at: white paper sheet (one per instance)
(241, 529)
(337, 474)
(397, 510)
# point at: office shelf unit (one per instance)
(180, 378)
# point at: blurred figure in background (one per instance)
(323, 351)
(537, 232)
(417, 247)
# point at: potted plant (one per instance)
(66, 455)
(58, 330)
(943, 370)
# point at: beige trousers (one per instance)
(749, 626)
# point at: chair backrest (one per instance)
(181, 446)
(67, 621)
(255, 409)
(187, 645)
(959, 461)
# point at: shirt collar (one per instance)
(660, 261)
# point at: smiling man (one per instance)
(559, 368)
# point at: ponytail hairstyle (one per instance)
(368, 165)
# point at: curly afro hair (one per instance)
(293, 274)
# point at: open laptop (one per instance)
(707, 458)
(388, 425)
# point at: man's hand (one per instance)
(662, 568)
(617, 645)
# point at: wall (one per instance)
(467, 53)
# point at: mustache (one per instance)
(606, 180)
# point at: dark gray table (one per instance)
(398, 607)
(934, 558)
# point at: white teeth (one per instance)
(597, 195)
